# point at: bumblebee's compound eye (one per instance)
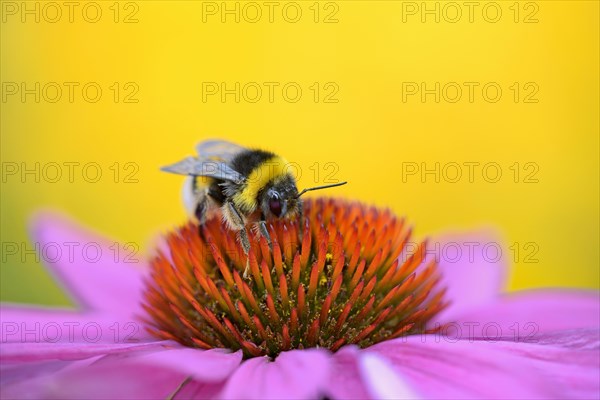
(275, 206)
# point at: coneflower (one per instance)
(339, 306)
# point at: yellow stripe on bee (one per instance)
(271, 170)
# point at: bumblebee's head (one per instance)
(280, 200)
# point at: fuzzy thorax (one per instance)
(272, 170)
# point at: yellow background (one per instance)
(369, 133)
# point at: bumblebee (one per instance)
(247, 186)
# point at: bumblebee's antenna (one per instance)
(320, 187)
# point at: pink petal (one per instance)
(584, 339)
(471, 270)
(297, 374)
(521, 316)
(570, 358)
(438, 367)
(381, 380)
(101, 274)
(205, 365)
(11, 373)
(345, 380)
(23, 360)
(112, 380)
(148, 372)
(27, 352)
(26, 380)
(24, 324)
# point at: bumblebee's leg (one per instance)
(237, 223)
(262, 228)
(299, 219)
(246, 246)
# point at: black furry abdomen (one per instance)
(215, 191)
(248, 160)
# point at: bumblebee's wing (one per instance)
(213, 156)
(218, 150)
(204, 167)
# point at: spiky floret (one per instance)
(340, 276)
